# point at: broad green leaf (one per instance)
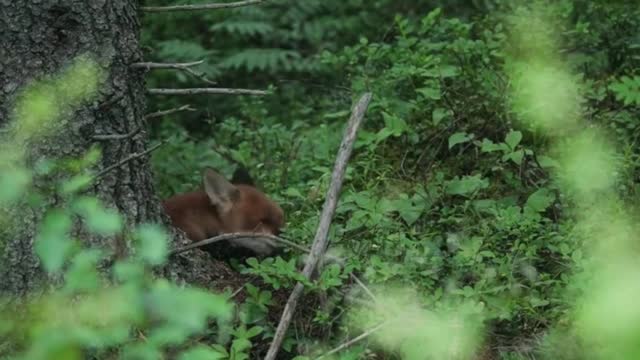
(201, 352)
(83, 275)
(256, 330)
(430, 93)
(293, 192)
(14, 181)
(76, 184)
(489, 146)
(467, 185)
(448, 71)
(515, 156)
(438, 114)
(394, 123)
(52, 242)
(153, 243)
(513, 139)
(459, 138)
(540, 200)
(98, 219)
(126, 271)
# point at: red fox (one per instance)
(227, 207)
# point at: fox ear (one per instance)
(221, 192)
(241, 177)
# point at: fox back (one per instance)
(223, 207)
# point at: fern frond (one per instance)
(243, 27)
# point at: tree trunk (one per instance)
(40, 38)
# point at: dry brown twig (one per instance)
(131, 157)
(320, 241)
(197, 91)
(185, 67)
(350, 342)
(199, 7)
(169, 111)
(132, 133)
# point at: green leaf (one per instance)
(513, 139)
(254, 331)
(431, 93)
(489, 146)
(201, 352)
(467, 185)
(459, 138)
(438, 114)
(153, 243)
(14, 181)
(540, 200)
(98, 219)
(82, 274)
(448, 71)
(515, 156)
(394, 124)
(52, 242)
(76, 184)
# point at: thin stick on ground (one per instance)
(197, 7)
(126, 160)
(169, 111)
(198, 91)
(348, 343)
(320, 241)
(364, 287)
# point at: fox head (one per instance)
(224, 206)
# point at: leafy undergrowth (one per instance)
(488, 205)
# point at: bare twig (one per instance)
(238, 290)
(169, 111)
(186, 67)
(348, 343)
(320, 241)
(156, 65)
(117, 136)
(195, 7)
(223, 237)
(126, 160)
(364, 287)
(196, 91)
(236, 236)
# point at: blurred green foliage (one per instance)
(470, 175)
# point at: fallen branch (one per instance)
(117, 136)
(196, 91)
(126, 160)
(238, 236)
(320, 241)
(168, 112)
(186, 67)
(352, 341)
(196, 7)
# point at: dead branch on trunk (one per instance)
(117, 136)
(168, 112)
(131, 157)
(319, 245)
(197, 7)
(156, 65)
(185, 67)
(197, 91)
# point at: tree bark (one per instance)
(40, 38)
